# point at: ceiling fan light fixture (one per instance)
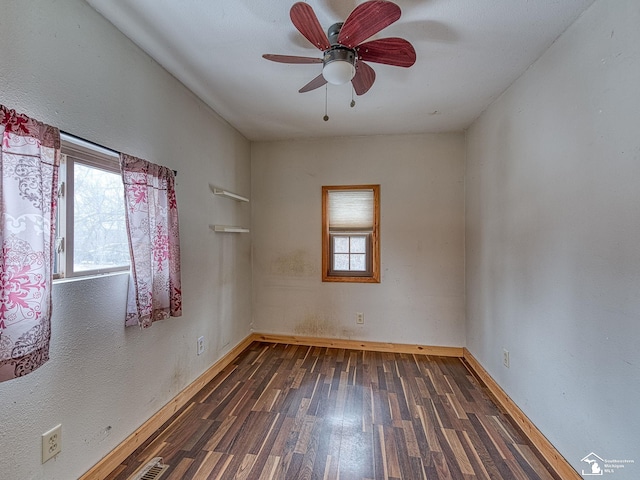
(345, 56)
(339, 65)
(338, 72)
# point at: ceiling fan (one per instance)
(344, 53)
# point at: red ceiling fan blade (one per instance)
(366, 20)
(313, 84)
(390, 51)
(363, 79)
(290, 58)
(305, 20)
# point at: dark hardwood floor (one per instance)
(294, 412)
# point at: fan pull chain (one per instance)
(353, 102)
(326, 96)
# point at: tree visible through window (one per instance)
(350, 226)
(91, 224)
(99, 229)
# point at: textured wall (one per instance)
(62, 63)
(553, 236)
(421, 296)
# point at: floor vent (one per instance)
(153, 470)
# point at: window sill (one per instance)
(89, 277)
(341, 279)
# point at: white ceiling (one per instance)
(468, 53)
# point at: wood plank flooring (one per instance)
(296, 412)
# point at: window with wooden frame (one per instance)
(351, 233)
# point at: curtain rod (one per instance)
(110, 150)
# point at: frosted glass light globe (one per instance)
(338, 72)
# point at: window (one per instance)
(350, 233)
(91, 224)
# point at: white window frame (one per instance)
(74, 150)
(368, 271)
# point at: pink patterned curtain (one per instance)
(155, 292)
(29, 159)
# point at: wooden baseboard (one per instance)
(114, 458)
(360, 345)
(556, 461)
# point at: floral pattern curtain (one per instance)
(155, 291)
(29, 159)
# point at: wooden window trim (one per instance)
(375, 238)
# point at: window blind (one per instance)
(351, 209)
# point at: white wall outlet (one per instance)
(200, 349)
(505, 357)
(51, 443)
(360, 318)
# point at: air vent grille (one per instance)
(152, 470)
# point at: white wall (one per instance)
(553, 228)
(62, 63)
(421, 297)
(553, 238)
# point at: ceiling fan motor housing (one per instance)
(339, 61)
(333, 32)
(339, 65)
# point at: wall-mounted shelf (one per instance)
(234, 196)
(228, 194)
(229, 229)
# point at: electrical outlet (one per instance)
(200, 345)
(505, 357)
(51, 443)
(360, 318)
